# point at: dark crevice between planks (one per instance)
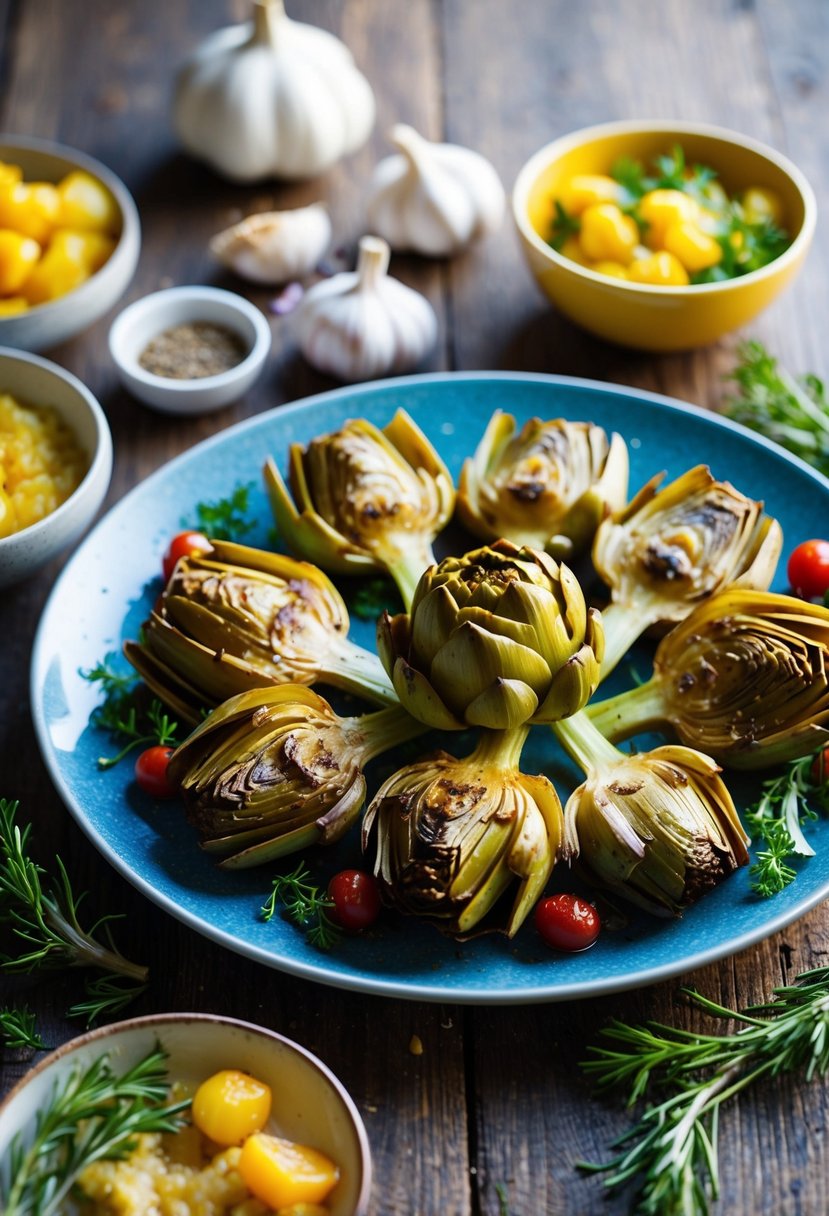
(470, 1091)
(439, 35)
(10, 15)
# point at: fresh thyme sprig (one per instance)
(91, 1115)
(305, 905)
(18, 1029)
(786, 802)
(225, 519)
(123, 713)
(43, 917)
(671, 1152)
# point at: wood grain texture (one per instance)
(496, 1099)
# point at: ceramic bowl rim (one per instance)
(192, 293)
(99, 458)
(148, 1021)
(552, 151)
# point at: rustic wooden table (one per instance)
(496, 1101)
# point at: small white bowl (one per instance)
(36, 381)
(310, 1106)
(47, 325)
(142, 321)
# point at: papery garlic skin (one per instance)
(272, 98)
(275, 246)
(433, 198)
(363, 324)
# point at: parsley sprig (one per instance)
(42, 913)
(670, 1155)
(786, 803)
(125, 714)
(304, 904)
(92, 1114)
(226, 518)
(18, 1029)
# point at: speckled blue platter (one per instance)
(108, 587)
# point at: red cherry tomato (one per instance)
(567, 922)
(808, 569)
(183, 545)
(356, 899)
(151, 772)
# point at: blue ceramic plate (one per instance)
(109, 585)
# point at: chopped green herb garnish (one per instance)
(227, 518)
(305, 905)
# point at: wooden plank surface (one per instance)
(496, 1098)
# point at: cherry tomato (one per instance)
(151, 772)
(356, 899)
(808, 569)
(183, 545)
(567, 922)
(819, 771)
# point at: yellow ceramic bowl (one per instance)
(659, 318)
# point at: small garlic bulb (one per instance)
(275, 246)
(364, 323)
(433, 198)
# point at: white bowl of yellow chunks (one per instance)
(196, 1112)
(69, 242)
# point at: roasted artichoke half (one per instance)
(453, 835)
(745, 678)
(549, 486)
(365, 499)
(497, 638)
(658, 828)
(238, 618)
(275, 770)
(674, 546)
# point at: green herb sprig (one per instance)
(227, 518)
(91, 1115)
(18, 1029)
(786, 803)
(42, 914)
(304, 904)
(671, 1153)
(125, 715)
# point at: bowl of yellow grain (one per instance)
(55, 462)
(70, 237)
(184, 1112)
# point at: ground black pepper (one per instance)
(192, 351)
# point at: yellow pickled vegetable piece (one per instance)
(70, 259)
(572, 249)
(607, 234)
(586, 189)
(659, 209)
(8, 515)
(659, 270)
(31, 208)
(13, 305)
(230, 1105)
(281, 1173)
(9, 174)
(18, 254)
(695, 249)
(87, 204)
(761, 204)
(615, 270)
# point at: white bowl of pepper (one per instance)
(189, 350)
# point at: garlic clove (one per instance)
(275, 246)
(363, 324)
(433, 198)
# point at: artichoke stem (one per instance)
(500, 748)
(585, 743)
(623, 625)
(406, 571)
(385, 729)
(358, 671)
(629, 713)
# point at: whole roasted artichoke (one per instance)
(238, 618)
(672, 547)
(453, 835)
(549, 486)
(745, 678)
(497, 638)
(275, 770)
(365, 499)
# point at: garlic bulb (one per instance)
(272, 97)
(364, 323)
(275, 246)
(433, 198)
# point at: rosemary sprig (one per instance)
(18, 1029)
(305, 905)
(43, 916)
(91, 1115)
(225, 519)
(671, 1152)
(786, 803)
(124, 715)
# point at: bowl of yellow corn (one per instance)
(69, 242)
(55, 462)
(662, 235)
(185, 1112)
